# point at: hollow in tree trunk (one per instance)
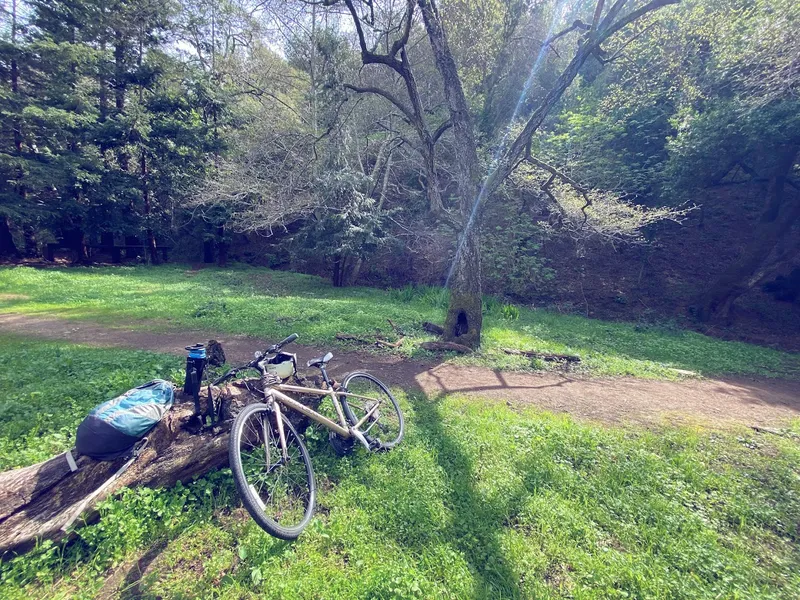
(464, 314)
(781, 213)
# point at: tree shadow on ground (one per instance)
(476, 524)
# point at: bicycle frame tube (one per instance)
(281, 434)
(340, 428)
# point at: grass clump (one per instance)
(272, 304)
(479, 501)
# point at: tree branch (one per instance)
(403, 40)
(632, 16)
(555, 173)
(367, 56)
(409, 115)
(598, 11)
(441, 129)
(577, 24)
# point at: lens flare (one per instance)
(559, 13)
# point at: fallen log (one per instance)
(546, 356)
(380, 343)
(38, 500)
(433, 328)
(781, 432)
(445, 347)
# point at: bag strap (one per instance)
(71, 460)
(137, 449)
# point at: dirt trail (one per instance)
(746, 401)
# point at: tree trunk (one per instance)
(152, 250)
(76, 240)
(36, 501)
(208, 250)
(31, 245)
(120, 86)
(464, 318)
(222, 247)
(338, 271)
(8, 249)
(464, 314)
(780, 214)
(354, 271)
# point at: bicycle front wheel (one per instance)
(279, 492)
(384, 427)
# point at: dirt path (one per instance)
(712, 402)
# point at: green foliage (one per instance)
(273, 304)
(103, 132)
(350, 228)
(707, 84)
(516, 504)
(54, 386)
(511, 259)
(510, 312)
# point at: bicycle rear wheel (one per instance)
(279, 493)
(385, 427)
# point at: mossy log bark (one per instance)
(37, 501)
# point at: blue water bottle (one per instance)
(195, 365)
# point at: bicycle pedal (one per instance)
(360, 437)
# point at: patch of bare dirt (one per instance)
(748, 401)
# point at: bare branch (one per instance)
(577, 24)
(409, 115)
(367, 56)
(441, 129)
(612, 14)
(403, 40)
(600, 53)
(598, 11)
(632, 16)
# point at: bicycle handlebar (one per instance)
(254, 364)
(288, 340)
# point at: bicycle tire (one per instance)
(250, 497)
(353, 381)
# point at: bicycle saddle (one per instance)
(320, 362)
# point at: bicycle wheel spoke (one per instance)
(387, 417)
(281, 486)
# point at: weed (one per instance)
(510, 312)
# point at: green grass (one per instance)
(272, 304)
(479, 501)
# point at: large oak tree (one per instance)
(389, 46)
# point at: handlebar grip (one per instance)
(288, 340)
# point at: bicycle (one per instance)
(270, 463)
